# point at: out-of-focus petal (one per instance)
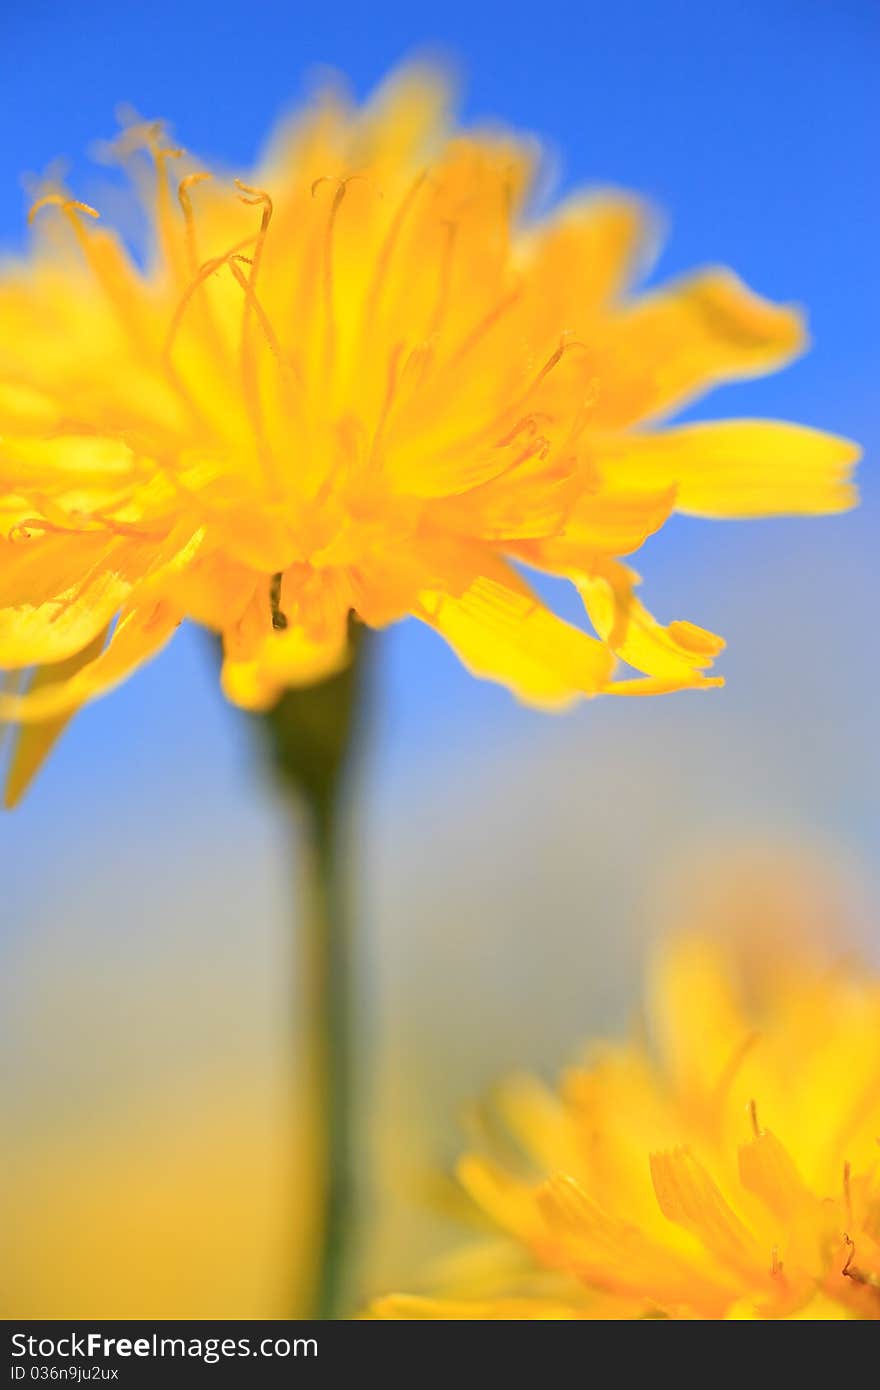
(586, 256)
(768, 1169)
(738, 468)
(286, 659)
(57, 592)
(32, 743)
(309, 644)
(680, 341)
(139, 635)
(689, 1196)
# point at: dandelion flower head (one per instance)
(730, 1170)
(361, 381)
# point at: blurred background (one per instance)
(513, 865)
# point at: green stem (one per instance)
(310, 737)
(333, 1059)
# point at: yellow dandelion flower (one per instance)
(730, 1171)
(361, 381)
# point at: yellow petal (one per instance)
(536, 1117)
(34, 742)
(525, 501)
(501, 631)
(609, 1251)
(294, 657)
(58, 592)
(59, 459)
(659, 685)
(767, 1169)
(688, 1196)
(588, 254)
(244, 677)
(139, 634)
(674, 657)
(215, 590)
(32, 746)
(739, 468)
(503, 1197)
(615, 521)
(680, 341)
(298, 656)
(261, 660)
(24, 408)
(248, 685)
(697, 1016)
(255, 533)
(824, 1309)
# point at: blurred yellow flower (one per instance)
(732, 1170)
(363, 382)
